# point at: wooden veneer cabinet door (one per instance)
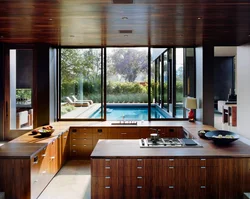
(15, 178)
(105, 178)
(99, 133)
(81, 142)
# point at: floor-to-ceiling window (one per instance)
(112, 83)
(127, 83)
(81, 83)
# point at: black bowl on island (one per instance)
(222, 137)
(46, 132)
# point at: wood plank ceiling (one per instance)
(148, 22)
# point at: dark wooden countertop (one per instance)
(20, 150)
(131, 149)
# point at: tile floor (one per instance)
(71, 182)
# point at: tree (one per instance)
(129, 62)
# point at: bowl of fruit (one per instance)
(222, 137)
(46, 131)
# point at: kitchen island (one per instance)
(31, 161)
(121, 169)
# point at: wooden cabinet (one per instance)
(106, 180)
(81, 142)
(99, 133)
(124, 133)
(64, 147)
(167, 178)
(84, 139)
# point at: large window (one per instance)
(81, 83)
(120, 84)
(127, 84)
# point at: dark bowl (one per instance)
(219, 136)
(201, 133)
(46, 132)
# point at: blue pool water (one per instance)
(130, 113)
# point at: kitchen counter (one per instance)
(20, 150)
(131, 149)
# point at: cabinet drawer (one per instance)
(135, 192)
(81, 133)
(134, 171)
(134, 180)
(202, 162)
(106, 181)
(106, 167)
(106, 192)
(81, 141)
(172, 162)
(134, 162)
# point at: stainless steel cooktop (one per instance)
(169, 143)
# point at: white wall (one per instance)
(243, 90)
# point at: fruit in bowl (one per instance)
(48, 127)
(46, 132)
(35, 131)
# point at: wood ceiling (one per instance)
(99, 22)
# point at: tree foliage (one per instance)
(129, 62)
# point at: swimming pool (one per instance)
(130, 113)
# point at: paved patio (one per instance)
(82, 112)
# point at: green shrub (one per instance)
(66, 108)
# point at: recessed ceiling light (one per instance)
(124, 18)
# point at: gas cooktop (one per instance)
(169, 143)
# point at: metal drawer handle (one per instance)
(139, 187)
(52, 158)
(171, 167)
(171, 159)
(139, 167)
(203, 167)
(203, 159)
(139, 160)
(107, 177)
(84, 145)
(171, 187)
(107, 160)
(74, 139)
(107, 167)
(107, 187)
(203, 187)
(123, 133)
(74, 145)
(43, 155)
(65, 137)
(139, 177)
(36, 162)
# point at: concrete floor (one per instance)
(71, 182)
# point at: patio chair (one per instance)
(77, 104)
(76, 100)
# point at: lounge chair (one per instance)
(77, 104)
(76, 100)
